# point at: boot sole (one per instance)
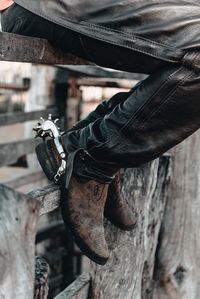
(49, 166)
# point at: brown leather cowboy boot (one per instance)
(82, 207)
(117, 210)
(82, 212)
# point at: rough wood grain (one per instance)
(129, 269)
(18, 117)
(10, 152)
(78, 289)
(35, 50)
(29, 178)
(49, 198)
(177, 273)
(18, 219)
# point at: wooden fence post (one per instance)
(178, 256)
(129, 270)
(18, 219)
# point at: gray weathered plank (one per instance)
(18, 117)
(131, 263)
(22, 180)
(10, 152)
(177, 274)
(49, 198)
(78, 289)
(35, 50)
(18, 221)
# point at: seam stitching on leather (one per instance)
(120, 131)
(117, 43)
(137, 113)
(164, 101)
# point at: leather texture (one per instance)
(82, 205)
(116, 209)
(82, 211)
(160, 113)
(162, 29)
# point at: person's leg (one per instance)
(102, 109)
(21, 21)
(116, 209)
(162, 112)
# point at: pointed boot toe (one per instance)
(82, 212)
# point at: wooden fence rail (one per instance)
(34, 50)
(10, 152)
(11, 118)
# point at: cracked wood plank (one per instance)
(18, 117)
(18, 219)
(78, 289)
(30, 177)
(49, 198)
(20, 48)
(178, 255)
(10, 152)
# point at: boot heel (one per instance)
(44, 160)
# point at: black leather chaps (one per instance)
(131, 128)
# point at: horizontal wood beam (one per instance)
(10, 152)
(105, 82)
(34, 50)
(14, 86)
(25, 179)
(19, 117)
(78, 289)
(49, 198)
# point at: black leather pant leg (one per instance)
(163, 111)
(104, 108)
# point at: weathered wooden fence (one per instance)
(159, 259)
